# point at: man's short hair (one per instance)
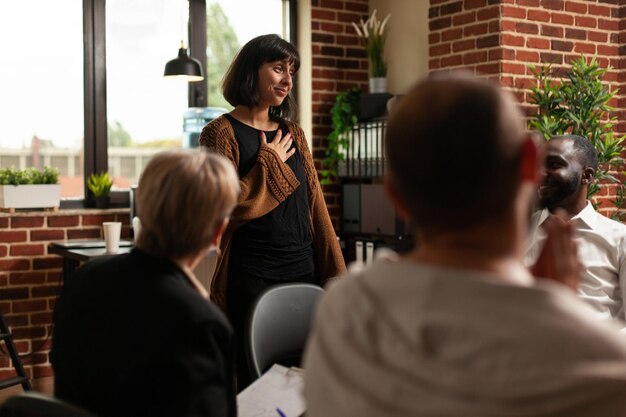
(241, 81)
(182, 197)
(585, 150)
(454, 151)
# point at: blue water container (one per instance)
(194, 119)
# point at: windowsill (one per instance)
(120, 204)
(119, 199)
(63, 212)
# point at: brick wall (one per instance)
(30, 279)
(500, 38)
(465, 34)
(339, 63)
(496, 38)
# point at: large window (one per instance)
(41, 89)
(85, 92)
(144, 110)
(228, 29)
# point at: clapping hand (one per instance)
(558, 259)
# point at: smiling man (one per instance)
(571, 162)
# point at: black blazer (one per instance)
(132, 337)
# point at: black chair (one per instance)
(21, 377)
(33, 404)
(278, 326)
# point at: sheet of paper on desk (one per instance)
(279, 387)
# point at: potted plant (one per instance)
(579, 104)
(29, 188)
(372, 34)
(100, 186)
(343, 114)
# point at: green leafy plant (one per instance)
(578, 103)
(343, 114)
(99, 184)
(13, 176)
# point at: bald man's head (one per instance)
(454, 145)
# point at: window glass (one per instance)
(41, 85)
(228, 29)
(147, 113)
(144, 110)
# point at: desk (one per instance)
(76, 251)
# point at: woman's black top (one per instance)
(277, 245)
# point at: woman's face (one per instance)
(275, 82)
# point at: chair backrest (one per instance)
(32, 404)
(278, 325)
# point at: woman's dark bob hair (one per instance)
(240, 85)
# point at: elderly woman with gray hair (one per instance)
(135, 334)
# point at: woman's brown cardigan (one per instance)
(270, 182)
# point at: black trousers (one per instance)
(241, 292)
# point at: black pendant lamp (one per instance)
(184, 66)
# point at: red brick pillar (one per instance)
(500, 38)
(339, 63)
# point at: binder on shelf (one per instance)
(351, 202)
(378, 215)
(358, 246)
(369, 253)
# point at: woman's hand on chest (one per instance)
(281, 144)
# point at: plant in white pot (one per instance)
(372, 34)
(29, 188)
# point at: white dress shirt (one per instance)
(602, 251)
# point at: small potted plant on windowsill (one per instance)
(29, 188)
(100, 186)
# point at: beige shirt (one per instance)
(402, 339)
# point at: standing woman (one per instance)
(280, 230)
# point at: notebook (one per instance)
(280, 388)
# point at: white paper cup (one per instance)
(112, 232)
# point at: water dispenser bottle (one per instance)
(194, 119)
